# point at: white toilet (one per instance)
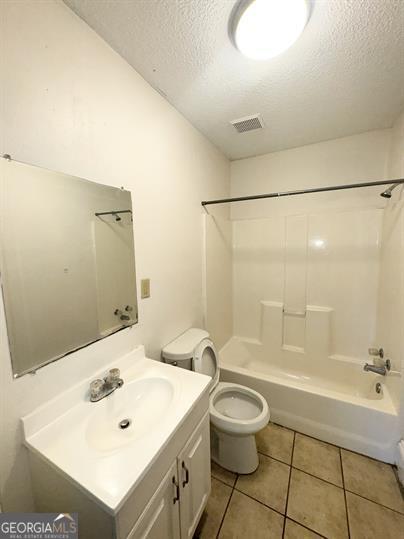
(236, 412)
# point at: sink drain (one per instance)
(125, 423)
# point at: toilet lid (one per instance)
(205, 361)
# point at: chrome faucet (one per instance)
(122, 315)
(101, 388)
(382, 369)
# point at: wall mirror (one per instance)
(67, 263)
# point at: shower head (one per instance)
(388, 191)
(117, 218)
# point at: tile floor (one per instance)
(304, 489)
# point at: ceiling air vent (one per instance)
(248, 123)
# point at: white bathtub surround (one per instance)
(333, 400)
(298, 276)
(390, 314)
(305, 312)
(390, 321)
(315, 331)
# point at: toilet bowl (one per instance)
(237, 412)
(238, 409)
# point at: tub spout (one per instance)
(383, 369)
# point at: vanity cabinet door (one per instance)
(194, 476)
(161, 518)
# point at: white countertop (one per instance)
(60, 430)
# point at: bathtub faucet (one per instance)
(383, 369)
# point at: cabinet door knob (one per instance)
(185, 469)
(177, 491)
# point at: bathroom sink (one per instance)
(105, 447)
(130, 413)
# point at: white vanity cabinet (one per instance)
(150, 481)
(194, 474)
(176, 507)
(166, 503)
(161, 518)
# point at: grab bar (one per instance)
(294, 312)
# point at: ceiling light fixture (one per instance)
(262, 29)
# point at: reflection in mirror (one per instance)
(67, 263)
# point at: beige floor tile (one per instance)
(317, 505)
(368, 520)
(276, 442)
(223, 475)
(371, 479)
(295, 531)
(317, 458)
(213, 515)
(268, 484)
(246, 518)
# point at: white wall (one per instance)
(396, 157)
(346, 160)
(321, 250)
(70, 103)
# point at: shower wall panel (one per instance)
(312, 277)
(258, 271)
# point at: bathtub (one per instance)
(332, 400)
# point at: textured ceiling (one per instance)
(344, 75)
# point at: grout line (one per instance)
(319, 440)
(291, 467)
(274, 458)
(260, 502)
(306, 527)
(317, 477)
(290, 476)
(376, 503)
(221, 480)
(334, 445)
(224, 512)
(363, 455)
(287, 497)
(279, 513)
(343, 485)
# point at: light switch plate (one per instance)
(145, 288)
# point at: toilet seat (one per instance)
(205, 362)
(237, 409)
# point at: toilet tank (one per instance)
(180, 351)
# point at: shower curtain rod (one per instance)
(302, 191)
